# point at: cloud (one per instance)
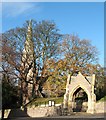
(20, 8)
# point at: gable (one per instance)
(80, 79)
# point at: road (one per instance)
(72, 117)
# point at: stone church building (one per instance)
(81, 84)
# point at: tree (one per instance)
(77, 53)
(40, 54)
(10, 94)
(100, 81)
(55, 84)
(44, 36)
(47, 39)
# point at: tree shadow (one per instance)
(15, 113)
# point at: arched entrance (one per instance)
(79, 94)
(80, 101)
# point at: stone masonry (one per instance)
(87, 84)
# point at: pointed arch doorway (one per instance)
(79, 100)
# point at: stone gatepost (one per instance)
(65, 102)
(91, 104)
(70, 107)
(66, 96)
(93, 97)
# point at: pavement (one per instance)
(75, 116)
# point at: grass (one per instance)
(102, 99)
(58, 100)
(39, 101)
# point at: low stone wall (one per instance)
(30, 112)
(100, 107)
(46, 111)
(41, 111)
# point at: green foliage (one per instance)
(100, 82)
(9, 95)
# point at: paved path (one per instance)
(77, 116)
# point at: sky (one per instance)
(53, 0)
(83, 18)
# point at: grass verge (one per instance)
(39, 101)
(102, 99)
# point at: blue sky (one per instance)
(83, 18)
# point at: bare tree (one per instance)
(78, 53)
(47, 39)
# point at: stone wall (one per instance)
(31, 112)
(41, 111)
(100, 107)
(46, 111)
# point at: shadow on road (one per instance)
(17, 113)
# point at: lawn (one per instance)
(39, 101)
(102, 99)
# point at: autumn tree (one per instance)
(46, 47)
(45, 38)
(77, 53)
(46, 43)
(54, 56)
(55, 84)
(74, 55)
